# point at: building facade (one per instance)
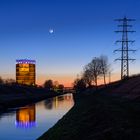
(25, 71)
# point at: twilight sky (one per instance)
(83, 29)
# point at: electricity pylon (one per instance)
(124, 45)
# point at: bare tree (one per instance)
(61, 87)
(104, 66)
(79, 85)
(93, 71)
(48, 84)
(98, 67)
(87, 76)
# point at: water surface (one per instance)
(29, 122)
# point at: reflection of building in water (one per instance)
(25, 72)
(25, 117)
(61, 102)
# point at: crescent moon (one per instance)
(51, 31)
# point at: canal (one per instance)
(31, 121)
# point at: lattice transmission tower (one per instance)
(125, 43)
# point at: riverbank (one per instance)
(110, 114)
(16, 96)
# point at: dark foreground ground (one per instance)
(102, 116)
(15, 96)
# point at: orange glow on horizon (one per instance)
(114, 77)
(66, 80)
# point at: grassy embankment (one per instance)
(15, 96)
(111, 114)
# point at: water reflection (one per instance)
(59, 101)
(26, 117)
(19, 123)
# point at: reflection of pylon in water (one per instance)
(125, 46)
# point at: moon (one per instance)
(51, 31)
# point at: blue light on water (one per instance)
(25, 124)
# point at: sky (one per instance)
(83, 29)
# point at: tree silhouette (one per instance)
(61, 87)
(1, 81)
(48, 84)
(79, 84)
(104, 66)
(87, 77)
(96, 68)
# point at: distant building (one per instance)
(25, 71)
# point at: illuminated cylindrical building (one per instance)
(25, 71)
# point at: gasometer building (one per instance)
(25, 71)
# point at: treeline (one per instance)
(53, 85)
(7, 81)
(92, 72)
(48, 84)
